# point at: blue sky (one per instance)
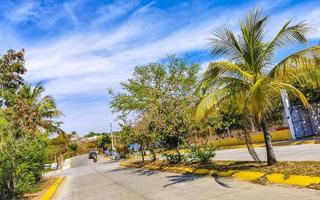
(79, 48)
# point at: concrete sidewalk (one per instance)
(303, 152)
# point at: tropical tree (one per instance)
(250, 76)
(159, 99)
(26, 118)
(33, 112)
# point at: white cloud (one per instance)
(23, 12)
(113, 11)
(79, 66)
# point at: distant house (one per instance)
(74, 138)
(90, 139)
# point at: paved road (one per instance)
(304, 152)
(106, 180)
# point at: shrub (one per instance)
(173, 158)
(21, 164)
(201, 153)
(123, 150)
(73, 147)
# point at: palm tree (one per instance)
(249, 76)
(36, 113)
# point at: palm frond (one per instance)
(295, 34)
(207, 104)
(251, 40)
(219, 73)
(224, 43)
(304, 59)
(290, 88)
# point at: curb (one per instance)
(52, 190)
(256, 177)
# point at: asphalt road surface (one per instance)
(106, 180)
(304, 152)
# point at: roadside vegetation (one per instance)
(166, 106)
(305, 168)
(27, 118)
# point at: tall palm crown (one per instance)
(34, 112)
(249, 75)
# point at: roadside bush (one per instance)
(21, 162)
(123, 150)
(173, 158)
(73, 147)
(201, 153)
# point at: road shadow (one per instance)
(120, 169)
(139, 172)
(181, 178)
(106, 161)
(221, 182)
(144, 172)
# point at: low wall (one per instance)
(280, 135)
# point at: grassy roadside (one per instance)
(45, 184)
(280, 143)
(307, 168)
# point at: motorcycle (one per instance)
(93, 155)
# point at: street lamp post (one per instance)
(112, 145)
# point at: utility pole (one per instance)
(286, 104)
(112, 145)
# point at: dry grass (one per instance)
(307, 168)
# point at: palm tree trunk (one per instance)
(267, 139)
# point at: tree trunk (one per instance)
(177, 150)
(267, 139)
(142, 153)
(253, 127)
(154, 155)
(179, 154)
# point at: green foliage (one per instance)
(245, 78)
(21, 161)
(104, 141)
(30, 167)
(26, 119)
(201, 153)
(158, 100)
(312, 93)
(73, 147)
(92, 134)
(123, 150)
(11, 70)
(173, 158)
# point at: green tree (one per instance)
(73, 147)
(26, 119)
(159, 98)
(92, 134)
(246, 77)
(104, 141)
(11, 70)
